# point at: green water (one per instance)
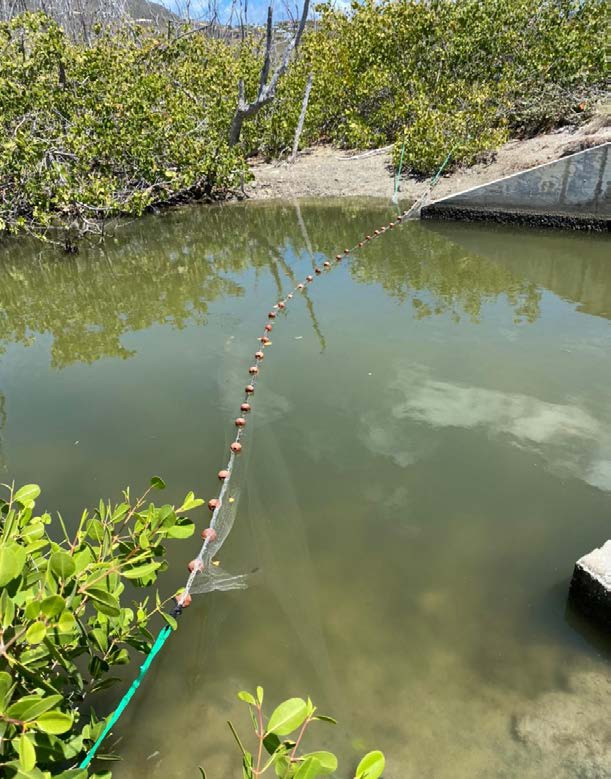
(430, 452)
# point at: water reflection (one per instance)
(573, 268)
(439, 277)
(428, 458)
(2, 426)
(570, 439)
(90, 302)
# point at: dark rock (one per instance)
(591, 584)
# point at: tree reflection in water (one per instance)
(168, 269)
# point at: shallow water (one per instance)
(430, 452)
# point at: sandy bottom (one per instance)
(329, 172)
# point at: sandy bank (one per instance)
(329, 172)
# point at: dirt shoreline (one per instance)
(329, 172)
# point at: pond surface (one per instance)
(429, 453)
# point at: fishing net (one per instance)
(212, 576)
(207, 574)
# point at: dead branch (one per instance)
(302, 116)
(267, 89)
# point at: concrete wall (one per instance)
(573, 191)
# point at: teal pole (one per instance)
(163, 636)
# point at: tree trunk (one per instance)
(302, 116)
(267, 89)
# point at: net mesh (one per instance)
(208, 576)
(213, 577)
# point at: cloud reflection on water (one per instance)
(570, 440)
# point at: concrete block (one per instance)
(572, 192)
(591, 584)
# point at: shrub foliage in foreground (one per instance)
(65, 623)
(279, 740)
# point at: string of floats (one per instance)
(197, 566)
(209, 534)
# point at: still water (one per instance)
(430, 452)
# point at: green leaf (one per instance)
(104, 601)
(62, 565)
(12, 561)
(371, 766)
(82, 559)
(32, 610)
(325, 718)
(311, 707)
(66, 623)
(140, 571)
(260, 695)
(6, 687)
(183, 528)
(120, 512)
(53, 605)
(247, 770)
(27, 753)
(100, 637)
(95, 529)
(271, 742)
(158, 483)
(55, 722)
(36, 633)
(287, 717)
(144, 540)
(282, 766)
(27, 494)
(309, 769)
(170, 620)
(190, 502)
(247, 698)
(104, 684)
(327, 761)
(7, 609)
(165, 517)
(202, 773)
(32, 706)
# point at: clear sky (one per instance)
(257, 9)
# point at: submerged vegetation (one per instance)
(130, 118)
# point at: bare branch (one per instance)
(267, 89)
(302, 116)
(268, 52)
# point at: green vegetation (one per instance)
(292, 716)
(65, 626)
(137, 119)
(64, 620)
(444, 75)
(131, 120)
(112, 128)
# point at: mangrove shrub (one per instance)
(442, 75)
(111, 128)
(132, 119)
(69, 617)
